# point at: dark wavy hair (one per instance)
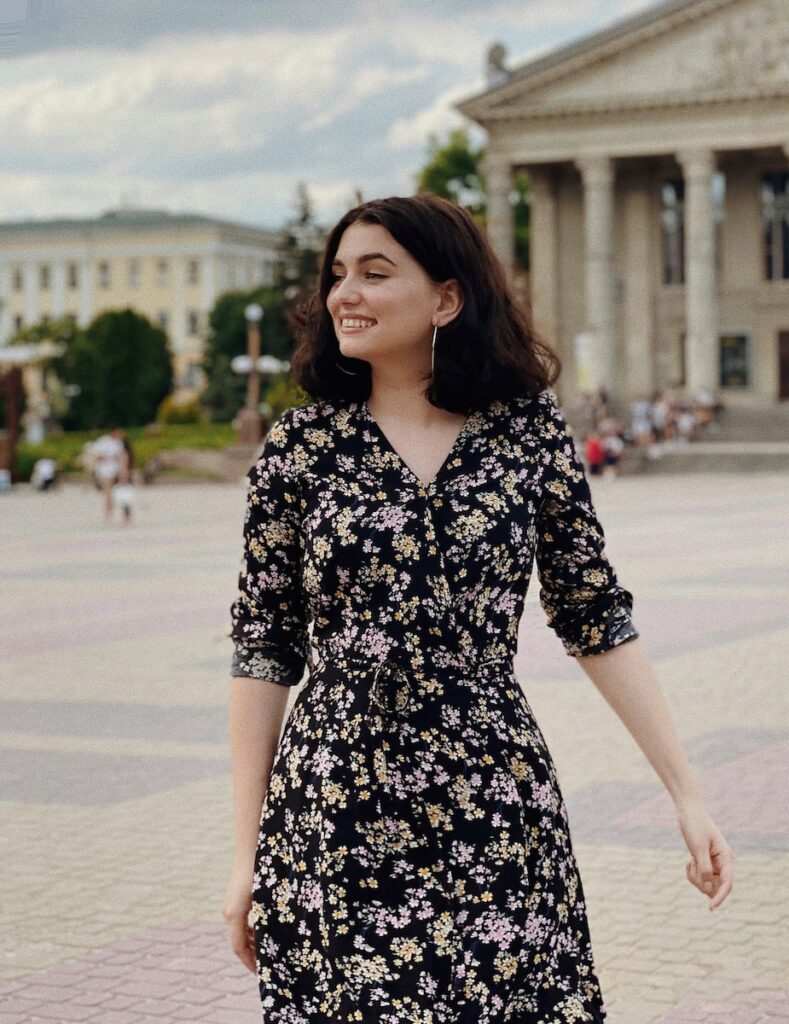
(488, 351)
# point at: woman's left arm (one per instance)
(627, 681)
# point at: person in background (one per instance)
(105, 459)
(613, 446)
(641, 425)
(44, 475)
(123, 489)
(686, 424)
(594, 453)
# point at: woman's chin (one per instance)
(353, 352)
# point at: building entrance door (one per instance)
(783, 365)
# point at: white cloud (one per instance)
(190, 93)
(366, 83)
(227, 121)
(437, 118)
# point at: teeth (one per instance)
(346, 322)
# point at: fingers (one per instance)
(242, 942)
(725, 878)
(704, 871)
(717, 883)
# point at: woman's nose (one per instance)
(346, 292)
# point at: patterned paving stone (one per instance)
(94, 780)
(176, 723)
(755, 1008)
(116, 838)
(181, 972)
(743, 775)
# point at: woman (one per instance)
(404, 849)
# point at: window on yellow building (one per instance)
(72, 277)
(192, 322)
(18, 282)
(193, 272)
(43, 277)
(161, 272)
(104, 274)
(134, 273)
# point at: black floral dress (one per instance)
(414, 862)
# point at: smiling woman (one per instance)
(404, 849)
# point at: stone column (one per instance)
(30, 280)
(208, 278)
(701, 338)
(638, 304)
(544, 254)
(58, 287)
(177, 330)
(500, 215)
(597, 175)
(6, 328)
(86, 272)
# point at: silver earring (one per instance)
(433, 354)
(353, 373)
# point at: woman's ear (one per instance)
(450, 302)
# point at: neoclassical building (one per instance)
(658, 152)
(169, 267)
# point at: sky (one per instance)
(221, 107)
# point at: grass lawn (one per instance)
(145, 442)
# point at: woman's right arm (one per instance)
(271, 647)
(256, 711)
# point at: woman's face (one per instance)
(382, 302)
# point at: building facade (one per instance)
(658, 152)
(169, 267)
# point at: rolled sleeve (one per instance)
(584, 602)
(269, 618)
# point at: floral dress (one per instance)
(414, 861)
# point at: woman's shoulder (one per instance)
(305, 432)
(322, 414)
(540, 414)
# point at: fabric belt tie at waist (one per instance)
(391, 690)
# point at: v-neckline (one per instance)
(456, 444)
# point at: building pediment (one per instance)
(681, 52)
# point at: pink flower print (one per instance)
(464, 853)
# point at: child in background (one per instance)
(594, 453)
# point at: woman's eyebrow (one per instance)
(366, 259)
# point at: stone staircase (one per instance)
(741, 441)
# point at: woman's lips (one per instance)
(356, 328)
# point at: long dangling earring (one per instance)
(433, 354)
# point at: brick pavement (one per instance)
(114, 769)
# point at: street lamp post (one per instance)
(239, 456)
(250, 423)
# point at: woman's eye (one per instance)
(369, 273)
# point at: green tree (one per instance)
(454, 170)
(227, 337)
(298, 254)
(121, 367)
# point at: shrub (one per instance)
(170, 411)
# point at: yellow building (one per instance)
(169, 267)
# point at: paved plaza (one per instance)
(115, 787)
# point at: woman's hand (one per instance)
(710, 868)
(235, 910)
